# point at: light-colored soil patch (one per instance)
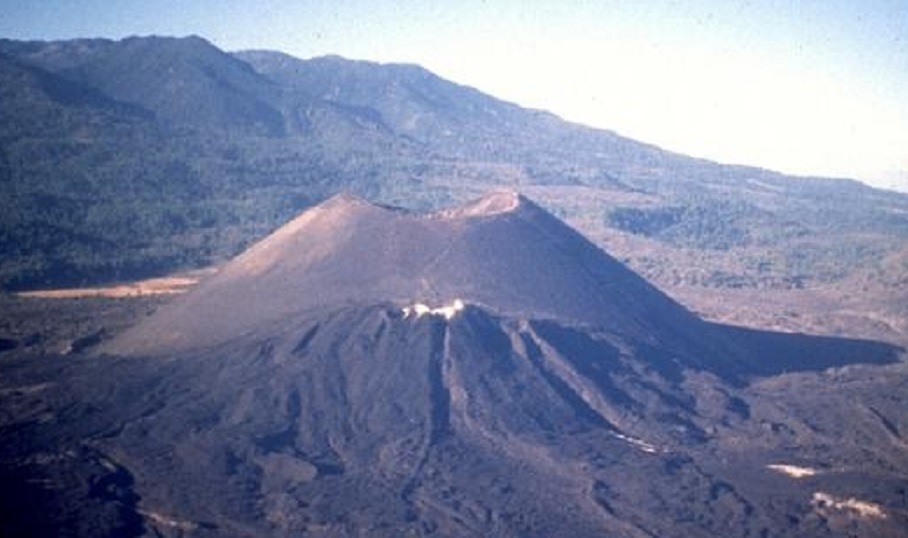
(168, 285)
(825, 502)
(793, 471)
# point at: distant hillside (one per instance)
(483, 370)
(182, 81)
(133, 157)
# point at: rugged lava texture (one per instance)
(482, 371)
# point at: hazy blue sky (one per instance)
(808, 87)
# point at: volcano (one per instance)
(479, 371)
(502, 253)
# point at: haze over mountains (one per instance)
(127, 158)
(482, 370)
(386, 362)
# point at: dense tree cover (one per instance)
(131, 158)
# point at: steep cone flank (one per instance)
(502, 252)
(481, 371)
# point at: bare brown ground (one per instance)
(169, 285)
(828, 310)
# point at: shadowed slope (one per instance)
(502, 252)
(184, 81)
(360, 420)
(480, 371)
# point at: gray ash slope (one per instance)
(295, 394)
(502, 252)
(126, 159)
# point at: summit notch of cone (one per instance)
(502, 253)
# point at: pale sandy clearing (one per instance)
(793, 471)
(824, 502)
(169, 285)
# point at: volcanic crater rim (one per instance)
(494, 203)
(497, 202)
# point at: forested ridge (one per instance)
(122, 159)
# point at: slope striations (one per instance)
(479, 371)
(502, 252)
(184, 81)
(233, 145)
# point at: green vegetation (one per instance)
(133, 158)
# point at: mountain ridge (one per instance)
(246, 144)
(482, 370)
(371, 363)
(130, 70)
(502, 252)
